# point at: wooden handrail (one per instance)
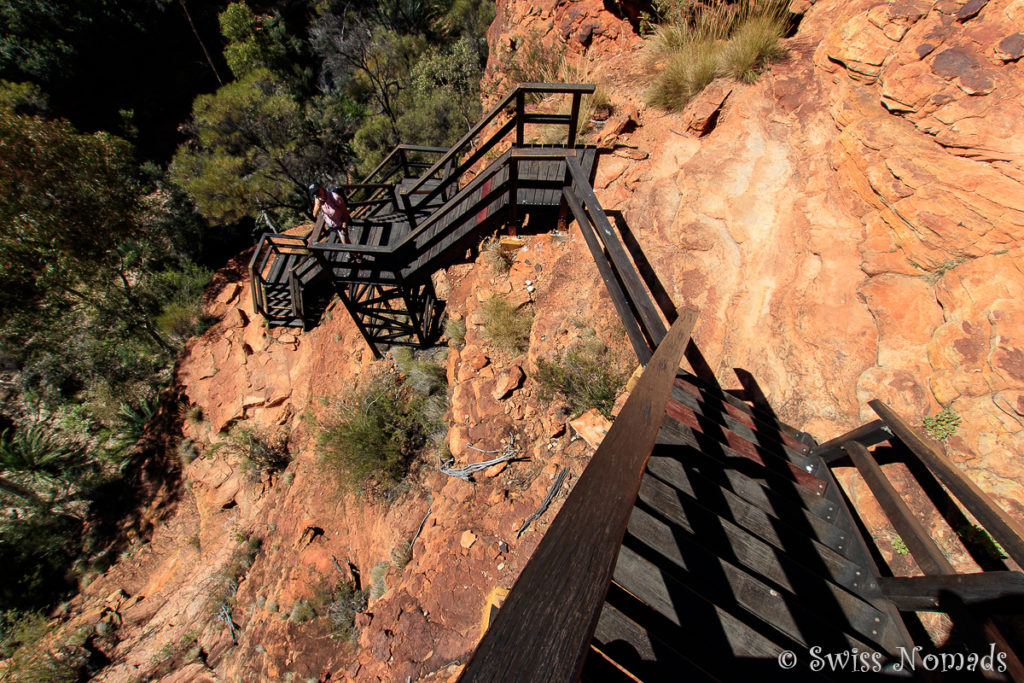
(453, 202)
(611, 283)
(1004, 529)
(543, 630)
(910, 529)
(627, 273)
(522, 88)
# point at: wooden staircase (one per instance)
(708, 541)
(420, 210)
(739, 547)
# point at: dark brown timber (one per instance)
(543, 630)
(995, 520)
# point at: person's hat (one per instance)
(334, 188)
(313, 188)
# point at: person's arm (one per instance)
(316, 207)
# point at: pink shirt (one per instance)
(335, 212)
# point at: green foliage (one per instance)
(182, 314)
(455, 330)
(899, 546)
(941, 426)
(36, 552)
(499, 260)
(345, 602)
(262, 42)
(301, 612)
(401, 554)
(587, 375)
(22, 98)
(377, 429)
(700, 42)
(255, 147)
(39, 453)
(32, 659)
(505, 326)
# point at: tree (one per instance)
(262, 42)
(68, 205)
(255, 148)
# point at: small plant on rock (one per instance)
(499, 260)
(505, 326)
(587, 375)
(455, 330)
(941, 426)
(258, 451)
(378, 428)
(899, 546)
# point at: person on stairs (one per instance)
(335, 210)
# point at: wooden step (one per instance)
(758, 464)
(679, 509)
(623, 644)
(672, 469)
(713, 639)
(754, 576)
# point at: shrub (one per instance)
(941, 426)
(301, 612)
(455, 330)
(341, 611)
(499, 260)
(379, 428)
(377, 576)
(505, 326)
(258, 451)
(753, 46)
(900, 547)
(30, 659)
(587, 375)
(187, 452)
(702, 41)
(401, 554)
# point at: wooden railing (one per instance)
(543, 630)
(268, 250)
(517, 122)
(941, 588)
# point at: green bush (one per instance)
(302, 612)
(377, 429)
(586, 375)
(499, 260)
(30, 659)
(505, 326)
(342, 608)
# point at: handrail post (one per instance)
(409, 213)
(573, 120)
(404, 160)
(513, 196)
(520, 117)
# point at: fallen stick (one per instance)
(510, 453)
(546, 502)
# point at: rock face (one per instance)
(850, 225)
